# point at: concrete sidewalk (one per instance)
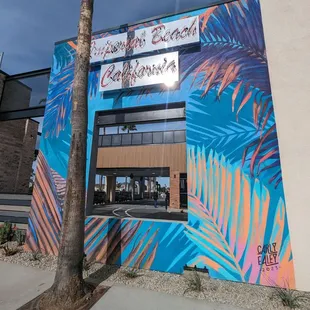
(20, 284)
(121, 297)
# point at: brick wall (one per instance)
(17, 146)
(175, 189)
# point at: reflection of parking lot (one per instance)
(139, 211)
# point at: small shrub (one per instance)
(194, 283)
(6, 232)
(290, 298)
(2, 237)
(20, 237)
(131, 273)
(35, 256)
(9, 251)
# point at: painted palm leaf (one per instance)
(233, 53)
(60, 184)
(263, 154)
(64, 54)
(232, 213)
(58, 106)
(233, 56)
(45, 216)
(106, 240)
(232, 138)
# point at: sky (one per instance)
(29, 29)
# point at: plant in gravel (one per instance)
(194, 283)
(20, 237)
(8, 251)
(6, 232)
(35, 256)
(290, 298)
(2, 238)
(131, 273)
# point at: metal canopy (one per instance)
(21, 114)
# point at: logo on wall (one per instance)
(151, 70)
(161, 36)
(267, 256)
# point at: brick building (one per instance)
(17, 139)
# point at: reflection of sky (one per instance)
(40, 121)
(163, 181)
(39, 86)
(165, 126)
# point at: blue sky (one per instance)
(29, 29)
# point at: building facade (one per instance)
(238, 226)
(17, 139)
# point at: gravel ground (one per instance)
(245, 296)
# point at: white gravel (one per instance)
(245, 296)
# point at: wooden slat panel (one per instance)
(163, 155)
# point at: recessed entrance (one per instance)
(140, 163)
(131, 185)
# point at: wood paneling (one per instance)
(161, 155)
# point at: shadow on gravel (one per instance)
(102, 274)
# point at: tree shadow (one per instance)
(94, 280)
(113, 253)
(102, 274)
(86, 303)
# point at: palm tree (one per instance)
(129, 127)
(68, 286)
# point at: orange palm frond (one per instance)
(233, 220)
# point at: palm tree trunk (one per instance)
(68, 285)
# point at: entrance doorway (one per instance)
(138, 157)
(131, 185)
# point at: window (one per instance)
(150, 127)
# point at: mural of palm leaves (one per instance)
(45, 216)
(64, 54)
(114, 236)
(221, 137)
(58, 106)
(107, 240)
(230, 137)
(235, 216)
(233, 55)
